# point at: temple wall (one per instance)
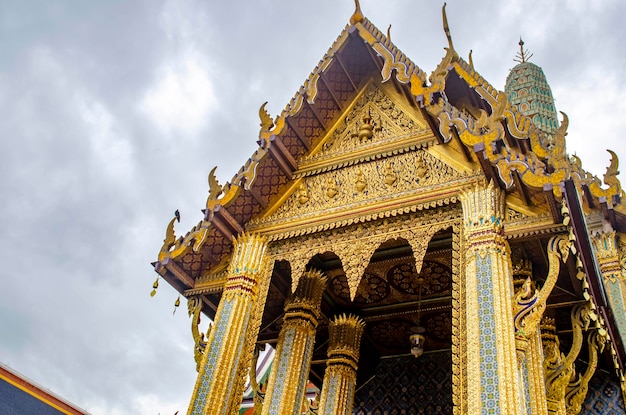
(406, 385)
(604, 396)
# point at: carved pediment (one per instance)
(374, 120)
(376, 160)
(365, 184)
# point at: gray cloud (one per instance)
(92, 173)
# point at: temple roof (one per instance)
(528, 90)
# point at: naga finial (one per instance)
(523, 55)
(610, 177)
(215, 189)
(266, 120)
(357, 16)
(446, 27)
(389, 33)
(170, 235)
(471, 61)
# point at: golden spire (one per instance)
(471, 61)
(522, 56)
(357, 16)
(389, 33)
(446, 28)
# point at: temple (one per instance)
(408, 244)
(20, 395)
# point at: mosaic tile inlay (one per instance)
(220, 328)
(490, 393)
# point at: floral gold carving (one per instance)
(360, 184)
(359, 129)
(331, 188)
(303, 194)
(421, 168)
(326, 192)
(390, 175)
(366, 128)
(355, 244)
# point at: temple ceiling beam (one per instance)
(608, 212)
(553, 205)
(330, 91)
(345, 72)
(299, 134)
(168, 266)
(521, 189)
(375, 60)
(397, 85)
(317, 115)
(283, 157)
(224, 222)
(455, 134)
(257, 197)
(485, 164)
(588, 196)
(434, 128)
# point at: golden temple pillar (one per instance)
(338, 390)
(535, 377)
(217, 388)
(491, 355)
(607, 253)
(528, 310)
(286, 385)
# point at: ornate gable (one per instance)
(376, 155)
(375, 120)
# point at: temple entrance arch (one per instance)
(387, 299)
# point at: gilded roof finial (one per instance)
(357, 16)
(266, 121)
(389, 33)
(446, 28)
(471, 61)
(522, 56)
(215, 189)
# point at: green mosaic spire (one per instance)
(528, 90)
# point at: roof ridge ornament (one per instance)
(215, 189)
(523, 55)
(446, 27)
(266, 120)
(357, 16)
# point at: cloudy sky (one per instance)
(114, 112)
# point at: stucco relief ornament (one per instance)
(360, 184)
(303, 194)
(331, 188)
(390, 175)
(421, 170)
(367, 128)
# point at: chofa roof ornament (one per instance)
(357, 16)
